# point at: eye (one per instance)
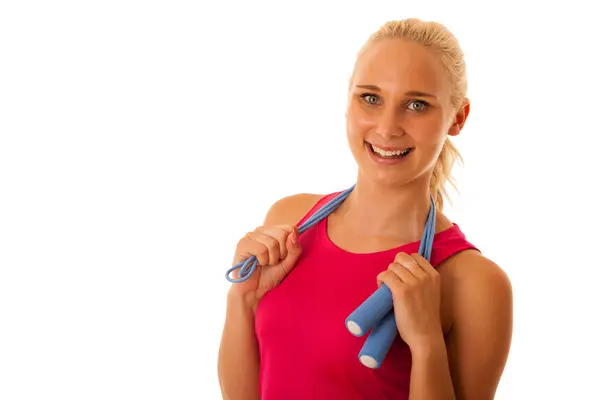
(418, 105)
(371, 99)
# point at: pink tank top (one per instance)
(306, 353)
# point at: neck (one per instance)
(376, 210)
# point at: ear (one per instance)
(460, 118)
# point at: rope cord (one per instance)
(247, 267)
(375, 314)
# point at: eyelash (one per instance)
(422, 102)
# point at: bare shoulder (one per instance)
(480, 304)
(291, 209)
(476, 284)
(473, 271)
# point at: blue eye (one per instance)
(371, 99)
(418, 105)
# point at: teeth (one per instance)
(385, 153)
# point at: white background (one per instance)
(140, 140)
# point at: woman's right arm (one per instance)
(238, 354)
(239, 362)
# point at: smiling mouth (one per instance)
(389, 153)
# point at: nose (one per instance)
(389, 123)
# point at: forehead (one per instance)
(399, 65)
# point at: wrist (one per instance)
(428, 345)
(241, 300)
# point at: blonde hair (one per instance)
(439, 39)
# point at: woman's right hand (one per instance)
(277, 249)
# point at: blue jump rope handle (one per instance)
(379, 341)
(370, 312)
(376, 314)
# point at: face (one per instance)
(399, 112)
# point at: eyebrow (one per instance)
(409, 93)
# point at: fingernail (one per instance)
(294, 238)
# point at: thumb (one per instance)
(294, 250)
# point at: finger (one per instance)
(389, 278)
(425, 265)
(279, 233)
(410, 264)
(270, 243)
(402, 273)
(249, 247)
(294, 250)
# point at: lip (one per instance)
(387, 148)
(386, 161)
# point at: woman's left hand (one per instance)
(416, 289)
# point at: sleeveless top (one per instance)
(306, 352)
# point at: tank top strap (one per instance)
(322, 201)
(451, 241)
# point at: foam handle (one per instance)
(370, 312)
(378, 342)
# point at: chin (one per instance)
(395, 176)
(386, 179)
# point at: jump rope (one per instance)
(376, 313)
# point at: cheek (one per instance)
(427, 132)
(357, 123)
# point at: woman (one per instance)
(285, 338)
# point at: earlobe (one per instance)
(456, 127)
(454, 130)
(460, 119)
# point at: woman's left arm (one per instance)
(466, 364)
(479, 340)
